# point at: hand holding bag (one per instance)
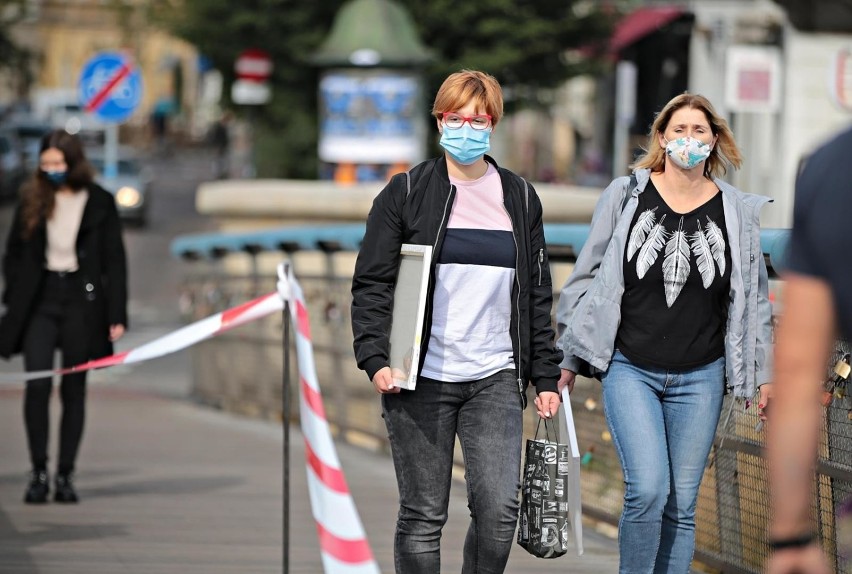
(543, 522)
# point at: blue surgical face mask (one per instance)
(56, 178)
(465, 144)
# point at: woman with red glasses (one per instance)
(487, 332)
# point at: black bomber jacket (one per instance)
(414, 207)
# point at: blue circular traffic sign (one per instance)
(110, 86)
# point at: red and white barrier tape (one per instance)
(343, 542)
(174, 341)
(344, 545)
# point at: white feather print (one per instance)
(676, 264)
(703, 256)
(717, 244)
(644, 224)
(651, 248)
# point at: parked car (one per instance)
(131, 186)
(20, 138)
(28, 132)
(11, 170)
(71, 118)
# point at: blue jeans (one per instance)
(422, 427)
(662, 425)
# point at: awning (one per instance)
(641, 23)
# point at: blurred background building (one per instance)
(582, 79)
(55, 38)
(779, 71)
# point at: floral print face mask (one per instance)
(687, 152)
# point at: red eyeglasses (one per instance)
(454, 121)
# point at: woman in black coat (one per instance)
(66, 289)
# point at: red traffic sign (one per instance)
(253, 65)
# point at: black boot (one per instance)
(64, 489)
(38, 488)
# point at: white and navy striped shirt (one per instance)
(472, 305)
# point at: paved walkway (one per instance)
(171, 487)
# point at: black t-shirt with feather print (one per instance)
(677, 276)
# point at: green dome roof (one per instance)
(372, 33)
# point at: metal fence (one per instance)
(241, 371)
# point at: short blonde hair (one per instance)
(470, 85)
(725, 152)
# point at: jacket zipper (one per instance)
(425, 342)
(443, 222)
(540, 261)
(517, 306)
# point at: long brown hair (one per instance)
(725, 152)
(38, 194)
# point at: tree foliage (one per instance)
(522, 42)
(13, 57)
(289, 30)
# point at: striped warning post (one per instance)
(343, 543)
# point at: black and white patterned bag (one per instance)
(544, 521)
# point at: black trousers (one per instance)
(58, 322)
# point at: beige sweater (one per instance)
(62, 229)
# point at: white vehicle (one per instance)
(131, 186)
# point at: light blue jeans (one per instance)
(662, 425)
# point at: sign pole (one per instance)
(253, 69)
(252, 165)
(285, 423)
(625, 112)
(111, 155)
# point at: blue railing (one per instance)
(564, 240)
(288, 239)
(241, 371)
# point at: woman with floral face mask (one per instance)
(65, 289)
(487, 331)
(667, 305)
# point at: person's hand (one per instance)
(383, 381)
(805, 560)
(547, 404)
(566, 379)
(763, 401)
(116, 332)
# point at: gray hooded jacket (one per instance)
(589, 310)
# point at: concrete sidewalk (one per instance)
(167, 486)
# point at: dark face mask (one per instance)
(56, 178)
